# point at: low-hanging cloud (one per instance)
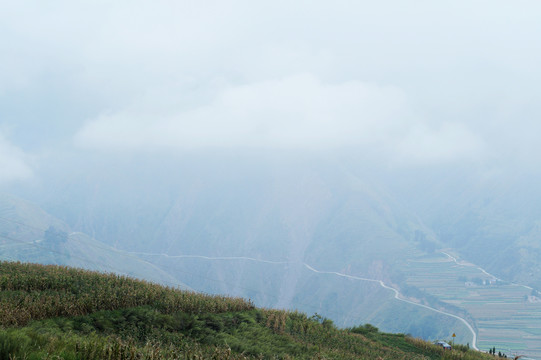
(448, 141)
(465, 87)
(297, 112)
(12, 162)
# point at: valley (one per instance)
(501, 314)
(505, 315)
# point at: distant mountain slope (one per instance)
(493, 218)
(67, 313)
(23, 229)
(271, 207)
(195, 216)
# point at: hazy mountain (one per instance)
(29, 234)
(491, 216)
(277, 228)
(291, 211)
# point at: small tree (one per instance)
(55, 236)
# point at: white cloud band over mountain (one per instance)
(296, 112)
(12, 162)
(428, 84)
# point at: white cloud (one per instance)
(152, 74)
(294, 112)
(297, 112)
(12, 162)
(447, 142)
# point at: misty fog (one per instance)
(294, 153)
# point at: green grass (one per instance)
(51, 312)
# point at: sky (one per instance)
(418, 83)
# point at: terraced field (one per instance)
(505, 315)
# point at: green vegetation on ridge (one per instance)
(56, 312)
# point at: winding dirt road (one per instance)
(397, 294)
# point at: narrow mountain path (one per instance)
(397, 294)
(214, 258)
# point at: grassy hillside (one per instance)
(55, 312)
